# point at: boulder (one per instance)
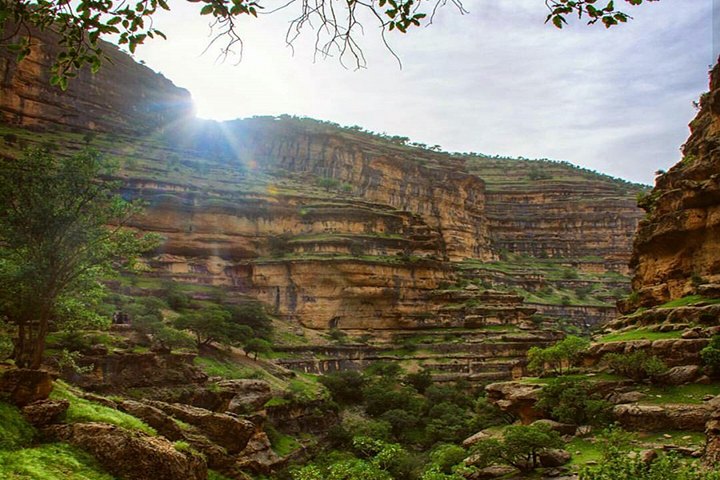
(154, 417)
(493, 471)
(625, 397)
(654, 418)
(258, 456)
(473, 439)
(44, 412)
(245, 395)
(227, 430)
(553, 457)
(132, 455)
(561, 428)
(712, 440)
(680, 375)
(648, 456)
(516, 398)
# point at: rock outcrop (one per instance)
(131, 455)
(677, 245)
(122, 96)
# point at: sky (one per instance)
(495, 80)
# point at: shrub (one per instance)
(445, 456)
(519, 447)
(638, 365)
(711, 355)
(345, 387)
(420, 381)
(617, 464)
(558, 357)
(569, 400)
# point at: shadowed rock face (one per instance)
(124, 96)
(677, 247)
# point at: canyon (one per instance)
(471, 259)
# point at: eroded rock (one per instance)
(132, 455)
(44, 412)
(23, 386)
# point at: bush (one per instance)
(617, 464)
(558, 357)
(345, 387)
(638, 365)
(519, 447)
(569, 400)
(445, 456)
(711, 355)
(420, 381)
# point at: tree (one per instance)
(519, 447)
(571, 401)
(337, 23)
(558, 357)
(213, 325)
(257, 346)
(61, 231)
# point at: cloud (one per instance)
(495, 81)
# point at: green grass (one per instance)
(690, 300)
(692, 393)
(600, 377)
(51, 461)
(82, 410)
(589, 451)
(638, 334)
(15, 432)
(276, 402)
(682, 438)
(217, 368)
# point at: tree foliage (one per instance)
(61, 231)
(213, 325)
(711, 355)
(618, 464)
(520, 446)
(557, 358)
(638, 365)
(337, 24)
(571, 401)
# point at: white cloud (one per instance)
(495, 81)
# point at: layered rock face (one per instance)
(126, 96)
(335, 227)
(677, 248)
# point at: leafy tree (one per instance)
(213, 325)
(84, 23)
(571, 401)
(446, 456)
(519, 447)
(61, 231)
(344, 386)
(253, 315)
(257, 346)
(420, 381)
(558, 357)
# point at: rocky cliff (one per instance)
(338, 228)
(126, 96)
(677, 248)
